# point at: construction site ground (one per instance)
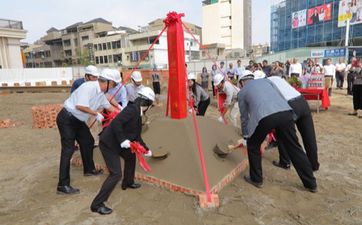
(29, 160)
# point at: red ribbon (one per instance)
(109, 117)
(173, 17)
(139, 150)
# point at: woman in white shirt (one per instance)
(329, 74)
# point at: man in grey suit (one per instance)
(262, 109)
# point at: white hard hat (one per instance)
(191, 76)
(117, 76)
(258, 74)
(247, 74)
(91, 70)
(218, 78)
(136, 76)
(107, 74)
(146, 92)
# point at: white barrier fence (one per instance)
(23, 77)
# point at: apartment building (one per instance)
(98, 42)
(11, 32)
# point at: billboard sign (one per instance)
(320, 14)
(317, 53)
(349, 10)
(299, 18)
(329, 53)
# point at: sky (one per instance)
(40, 15)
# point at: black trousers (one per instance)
(305, 127)
(202, 107)
(71, 129)
(156, 87)
(350, 78)
(213, 88)
(340, 79)
(357, 97)
(285, 130)
(113, 162)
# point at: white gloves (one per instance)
(120, 108)
(99, 117)
(148, 154)
(126, 144)
(244, 142)
(220, 119)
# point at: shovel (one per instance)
(223, 149)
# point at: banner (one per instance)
(349, 10)
(299, 18)
(320, 14)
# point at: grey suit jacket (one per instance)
(257, 100)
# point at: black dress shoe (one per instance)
(313, 190)
(256, 184)
(94, 173)
(67, 190)
(103, 210)
(133, 186)
(278, 164)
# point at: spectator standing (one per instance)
(239, 69)
(340, 73)
(213, 73)
(295, 68)
(156, 85)
(266, 68)
(205, 79)
(356, 73)
(329, 75)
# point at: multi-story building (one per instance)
(227, 23)
(11, 32)
(315, 23)
(98, 42)
(158, 56)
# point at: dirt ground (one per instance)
(29, 160)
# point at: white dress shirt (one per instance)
(295, 68)
(132, 91)
(89, 95)
(330, 70)
(287, 91)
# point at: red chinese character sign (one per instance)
(176, 62)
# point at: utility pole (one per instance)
(347, 39)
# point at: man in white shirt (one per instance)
(304, 122)
(340, 73)
(239, 69)
(71, 121)
(329, 75)
(134, 87)
(295, 68)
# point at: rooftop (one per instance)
(11, 24)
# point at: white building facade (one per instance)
(227, 22)
(11, 32)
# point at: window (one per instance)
(152, 39)
(109, 45)
(66, 42)
(95, 47)
(84, 38)
(116, 44)
(101, 59)
(104, 46)
(105, 59)
(99, 47)
(68, 53)
(117, 58)
(110, 59)
(97, 60)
